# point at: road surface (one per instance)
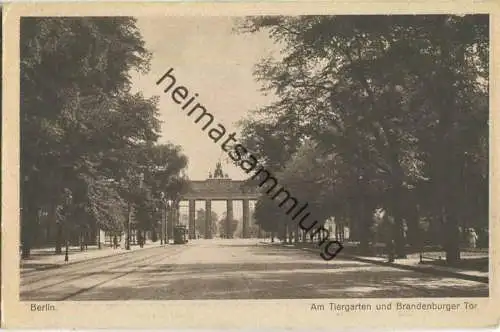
(233, 269)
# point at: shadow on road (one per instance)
(286, 274)
(40, 267)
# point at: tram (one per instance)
(180, 234)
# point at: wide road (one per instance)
(233, 269)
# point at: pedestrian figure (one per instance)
(140, 239)
(82, 241)
(86, 240)
(66, 254)
(391, 246)
(123, 242)
(472, 238)
(115, 242)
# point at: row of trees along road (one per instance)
(376, 112)
(200, 222)
(88, 145)
(227, 228)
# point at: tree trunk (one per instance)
(398, 231)
(28, 218)
(399, 239)
(26, 240)
(364, 223)
(414, 233)
(82, 241)
(355, 225)
(451, 238)
(397, 202)
(59, 238)
(48, 222)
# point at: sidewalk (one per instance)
(43, 259)
(412, 262)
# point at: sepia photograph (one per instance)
(328, 158)
(379, 123)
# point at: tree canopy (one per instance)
(81, 127)
(200, 222)
(396, 108)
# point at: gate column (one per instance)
(208, 219)
(246, 218)
(229, 217)
(192, 221)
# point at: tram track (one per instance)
(138, 268)
(40, 275)
(90, 260)
(127, 262)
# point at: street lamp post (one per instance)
(127, 247)
(68, 198)
(66, 255)
(169, 231)
(161, 225)
(162, 218)
(174, 218)
(167, 214)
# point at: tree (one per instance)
(223, 226)
(268, 216)
(76, 109)
(401, 100)
(162, 166)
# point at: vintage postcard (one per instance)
(243, 165)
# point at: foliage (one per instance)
(397, 107)
(83, 131)
(200, 222)
(223, 229)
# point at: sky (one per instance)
(210, 59)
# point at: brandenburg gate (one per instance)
(215, 188)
